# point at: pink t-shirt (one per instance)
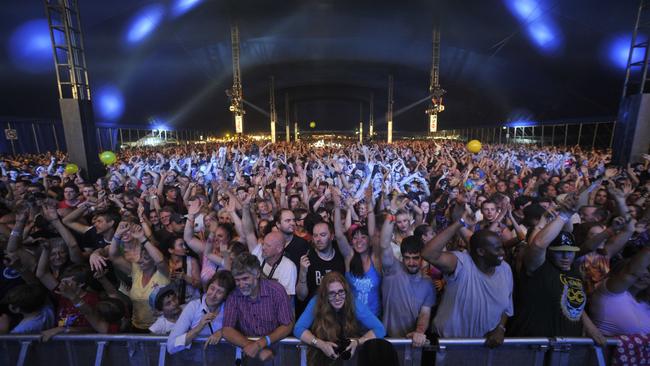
(618, 314)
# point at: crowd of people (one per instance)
(338, 245)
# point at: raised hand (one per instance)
(304, 263)
(611, 172)
(137, 232)
(122, 228)
(194, 207)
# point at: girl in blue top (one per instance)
(334, 316)
(361, 264)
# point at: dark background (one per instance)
(330, 55)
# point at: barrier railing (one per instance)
(130, 349)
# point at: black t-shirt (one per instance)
(318, 268)
(548, 303)
(296, 249)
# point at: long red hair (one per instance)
(326, 324)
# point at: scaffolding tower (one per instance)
(274, 116)
(236, 93)
(435, 91)
(632, 128)
(389, 112)
(371, 118)
(636, 72)
(66, 38)
(287, 118)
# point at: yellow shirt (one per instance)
(143, 316)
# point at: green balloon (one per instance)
(71, 168)
(108, 157)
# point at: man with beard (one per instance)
(478, 296)
(317, 263)
(295, 246)
(407, 295)
(257, 308)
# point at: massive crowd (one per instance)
(339, 246)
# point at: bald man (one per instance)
(275, 265)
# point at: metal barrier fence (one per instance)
(128, 349)
(24, 136)
(590, 135)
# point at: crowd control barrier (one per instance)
(132, 350)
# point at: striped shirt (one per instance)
(260, 316)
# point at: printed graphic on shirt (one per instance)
(573, 298)
(319, 276)
(363, 287)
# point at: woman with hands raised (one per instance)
(148, 272)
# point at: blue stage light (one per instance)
(534, 16)
(181, 7)
(30, 48)
(618, 50)
(525, 10)
(544, 35)
(109, 102)
(521, 123)
(145, 22)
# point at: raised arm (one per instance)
(43, 272)
(188, 233)
(114, 250)
(371, 211)
(161, 264)
(433, 251)
(248, 225)
(301, 287)
(535, 252)
(50, 214)
(339, 233)
(629, 275)
(71, 219)
(208, 253)
(387, 256)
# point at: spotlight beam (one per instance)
(405, 109)
(262, 111)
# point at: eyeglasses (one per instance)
(333, 295)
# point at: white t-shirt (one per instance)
(286, 273)
(473, 301)
(162, 326)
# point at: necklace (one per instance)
(327, 257)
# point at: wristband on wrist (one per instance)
(390, 217)
(565, 216)
(268, 341)
(145, 241)
(15, 233)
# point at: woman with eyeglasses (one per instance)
(332, 323)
